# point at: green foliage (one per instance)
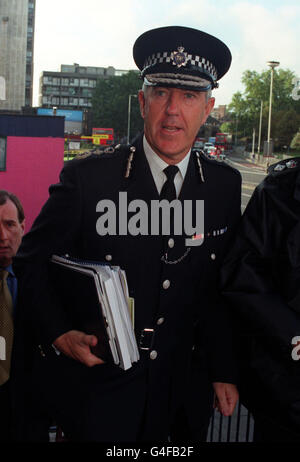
(295, 144)
(110, 104)
(245, 108)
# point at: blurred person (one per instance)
(12, 224)
(261, 280)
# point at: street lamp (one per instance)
(272, 65)
(129, 113)
(259, 132)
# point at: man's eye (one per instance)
(161, 92)
(190, 95)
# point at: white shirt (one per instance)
(157, 165)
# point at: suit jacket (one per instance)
(261, 278)
(188, 304)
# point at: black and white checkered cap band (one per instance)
(167, 57)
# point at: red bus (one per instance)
(103, 136)
(223, 141)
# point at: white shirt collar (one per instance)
(157, 165)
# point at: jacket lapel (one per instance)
(140, 183)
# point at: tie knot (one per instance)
(171, 171)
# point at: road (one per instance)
(252, 175)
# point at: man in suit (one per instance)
(172, 276)
(12, 223)
(261, 279)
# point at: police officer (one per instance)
(261, 278)
(172, 278)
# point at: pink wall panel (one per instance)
(32, 165)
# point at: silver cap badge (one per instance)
(179, 57)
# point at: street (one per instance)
(252, 175)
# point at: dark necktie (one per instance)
(168, 190)
(6, 327)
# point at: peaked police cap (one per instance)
(181, 57)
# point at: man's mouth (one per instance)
(171, 128)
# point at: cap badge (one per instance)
(179, 57)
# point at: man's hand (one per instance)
(226, 397)
(76, 345)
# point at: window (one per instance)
(47, 78)
(84, 82)
(73, 101)
(91, 70)
(86, 92)
(2, 154)
(74, 82)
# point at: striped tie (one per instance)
(6, 327)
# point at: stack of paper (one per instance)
(97, 300)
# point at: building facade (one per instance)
(72, 87)
(16, 53)
(219, 112)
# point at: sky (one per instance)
(102, 33)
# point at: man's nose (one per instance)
(173, 104)
(3, 233)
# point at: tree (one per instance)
(295, 144)
(110, 104)
(245, 108)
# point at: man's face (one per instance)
(172, 119)
(11, 232)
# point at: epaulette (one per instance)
(284, 167)
(218, 163)
(106, 152)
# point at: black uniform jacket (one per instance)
(261, 278)
(184, 306)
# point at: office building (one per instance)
(16, 53)
(219, 112)
(72, 87)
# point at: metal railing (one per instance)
(237, 428)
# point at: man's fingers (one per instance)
(76, 345)
(226, 397)
(89, 340)
(223, 405)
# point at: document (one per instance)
(96, 299)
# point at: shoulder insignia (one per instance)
(284, 166)
(83, 155)
(218, 163)
(96, 152)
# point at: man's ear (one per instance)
(141, 97)
(23, 225)
(209, 107)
